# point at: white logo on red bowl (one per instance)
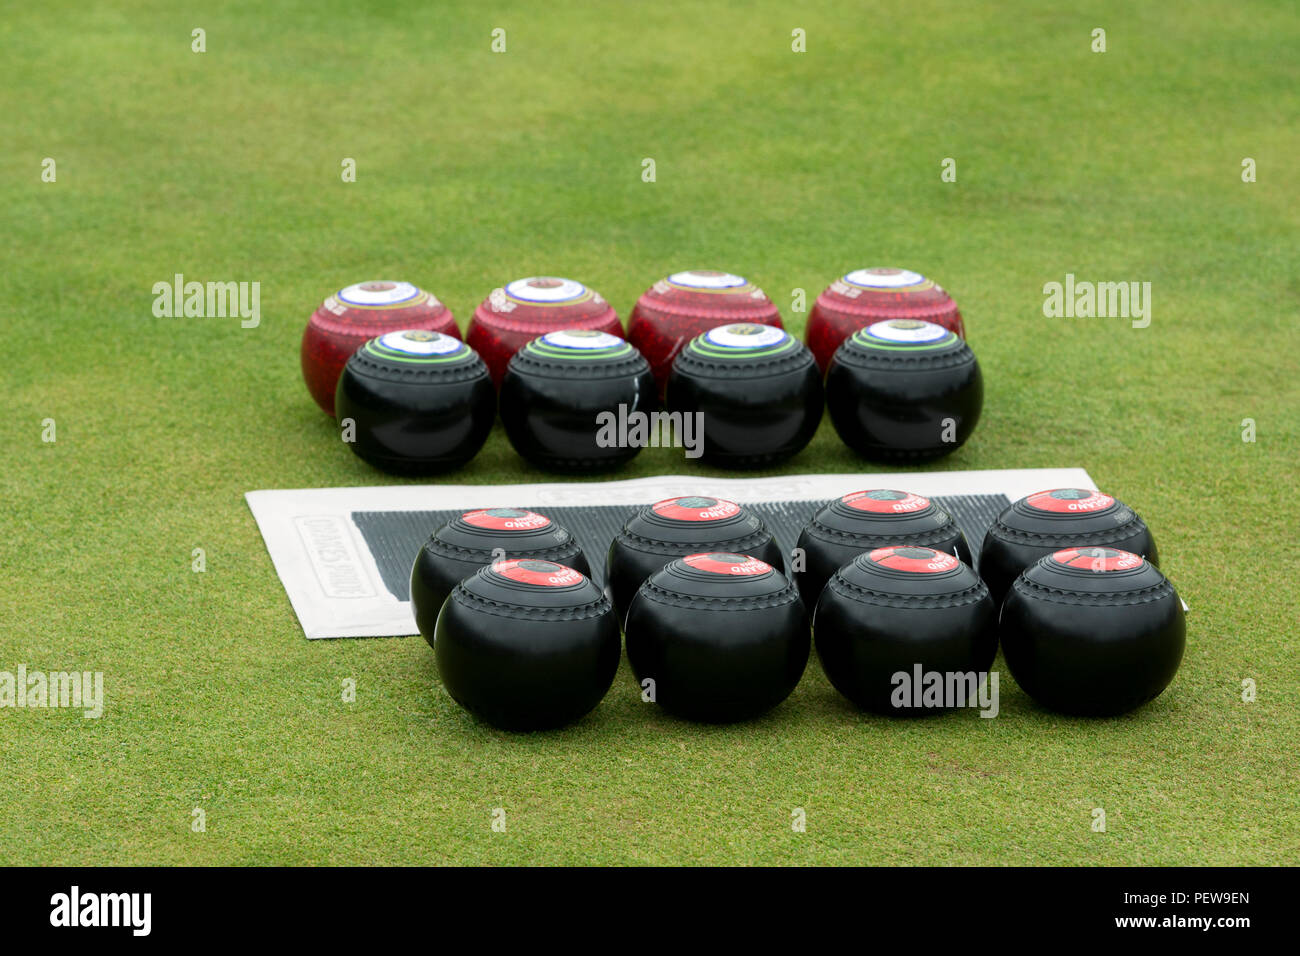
(707, 280)
(883, 278)
(378, 293)
(545, 289)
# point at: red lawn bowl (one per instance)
(867, 296)
(517, 313)
(352, 316)
(685, 304)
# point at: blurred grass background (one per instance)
(474, 168)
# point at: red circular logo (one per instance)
(695, 508)
(1097, 559)
(721, 562)
(506, 519)
(1069, 501)
(884, 501)
(543, 573)
(915, 560)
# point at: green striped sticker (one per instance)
(418, 347)
(905, 335)
(743, 341)
(578, 345)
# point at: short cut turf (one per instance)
(475, 167)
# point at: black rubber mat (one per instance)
(395, 537)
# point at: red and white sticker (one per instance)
(884, 278)
(506, 519)
(704, 279)
(1069, 501)
(377, 293)
(545, 289)
(907, 331)
(746, 335)
(723, 562)
(1098, 559)
(533, 571)
(420, 342)
(885, 501)
(695, 508)
(913, 559)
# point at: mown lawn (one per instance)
(474, 168)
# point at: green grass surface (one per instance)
(474, 168)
